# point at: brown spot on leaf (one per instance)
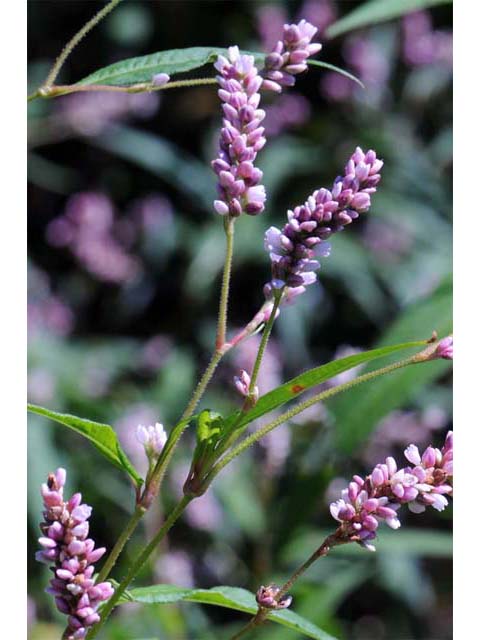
(297, 388)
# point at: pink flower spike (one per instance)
(70, 557)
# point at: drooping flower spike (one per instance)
(71, 555)
(289, 56)
(294, 250)
(368, 501)
(241, 136)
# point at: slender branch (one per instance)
(252, 623)
(229, 225)
(263, 344)
(70, 46)
(202, 385)
(333, 540)
(121, 542)
(57, 90)
(138, 564)
(323, 395)
(221, 348)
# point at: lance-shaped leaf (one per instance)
(142, 69)
(228, 597)
(377, 11)
(102, 436)
(173, 61)
(312, 378)
(332, 67)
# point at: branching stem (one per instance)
(70, 46)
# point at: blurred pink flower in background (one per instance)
(336, 87)
(270, 21)
(87, 229)
(399, 428)
(321, 13)
(388, 242)
(367, 60)
(289, 110)
(47, 313)
(152, 213)
(175, 567)
(423, 45)
(89, 114)
(41, 386)
(154, 352)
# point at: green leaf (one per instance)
(332, 67)
(102, 436)
(173, 61)
(209, 427)
(305, 381)
(228, 597)
(377, 11)
(359, 412)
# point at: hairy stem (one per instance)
(54, 91)
(121, 542)
(257, 620)
(227, 272)
(70, 46)
(138, 564)
(220, 349)
(333, 540)
(263, 344)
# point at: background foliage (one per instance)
(125, 258)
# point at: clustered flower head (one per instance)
(294, 250)
(379, 496)
(289, 56)
(71, 556)
(153, 439)
(241, 136)
(268, 597)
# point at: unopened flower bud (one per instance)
(160, 79)
(267, 597)
(445, 348)
(153, 439)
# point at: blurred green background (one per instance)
(125, 257)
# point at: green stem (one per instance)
(263, 344)
(70, 46)
(330, 541)
(57, 90)
(256, 621)
(138, 564)
(262, 614)
(220, 350)
(323, 395)
(121, 542)
(229, 225)
(202, 385)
